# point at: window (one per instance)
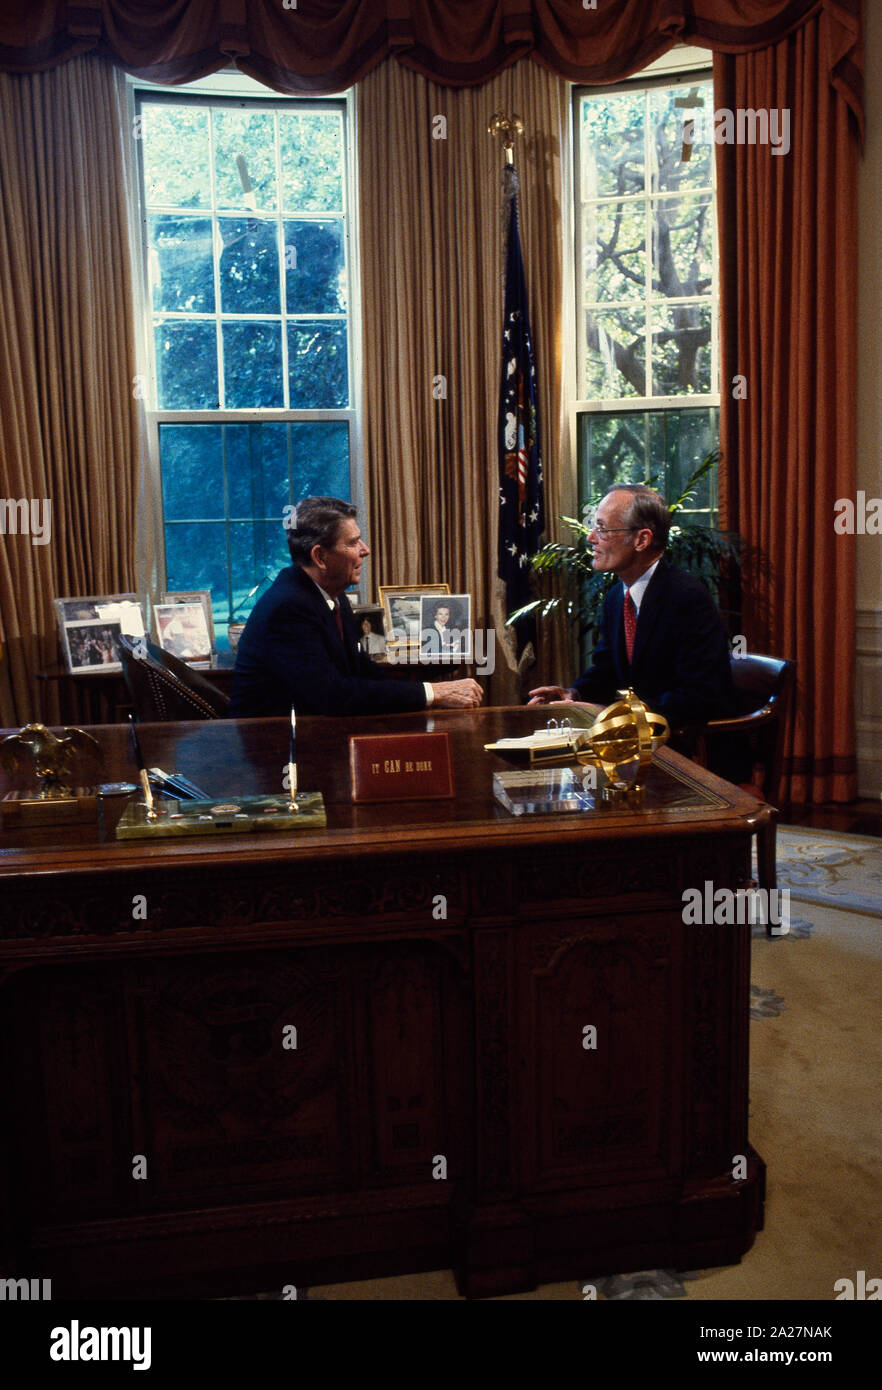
(245, 238)
(646, 288)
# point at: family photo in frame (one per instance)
(402, 611)
(446, 625)
(183, 630)
(202, 597)
(88, 628)
(371, 624)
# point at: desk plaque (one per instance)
(400, 767)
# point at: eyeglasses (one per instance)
(604, 531)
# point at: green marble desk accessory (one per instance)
(244, 815)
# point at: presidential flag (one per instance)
(521, 493)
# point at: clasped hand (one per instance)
(465, 694)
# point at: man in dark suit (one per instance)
(660, 630)
(300, 645)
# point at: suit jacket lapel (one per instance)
(650, 607)
(339, 650)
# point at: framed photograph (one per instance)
(90, 646)
(181, 629)
(446, 626)
(202, 596)
(371, 626)
(401, 611)
(80, 621)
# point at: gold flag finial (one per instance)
(506, 127)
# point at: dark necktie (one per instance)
(630, 624)
(338, 618)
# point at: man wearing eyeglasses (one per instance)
(660, 630)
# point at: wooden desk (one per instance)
(420, 1036)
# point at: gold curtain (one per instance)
(432, 300)
(68, 429)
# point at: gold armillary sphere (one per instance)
(625, 734)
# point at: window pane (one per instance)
(312, 162)
(257, 469)
(682, 246)
(181, 265)
(659, 447)
(614, 239)
(317, 365)
(315, 271)
(249, 266)
(612, 449)
(681, 350)
(672, 124)
(186, 365)
(244, 159)
(320, 459)
(678, 441)
(174, 146)
(225, 488)
(258, 550)
(252, 365)
(624, 274)
(196, 558)
(612, 144)
(192, 473)
(616, 357)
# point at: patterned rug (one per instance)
(821, 866)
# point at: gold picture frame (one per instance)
(402, 605)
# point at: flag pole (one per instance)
(521, 490)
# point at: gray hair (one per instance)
(315, 521)
(648, 510)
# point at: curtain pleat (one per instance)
(67, 415)
(431, 236)
(789, 238)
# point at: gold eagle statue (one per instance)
(59, 762)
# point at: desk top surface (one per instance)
(241, 757)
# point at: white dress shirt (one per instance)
(638, 588)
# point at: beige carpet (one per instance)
(816, 1064)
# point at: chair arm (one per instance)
(741, 722)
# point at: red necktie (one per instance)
(338, 618)
(630, 624)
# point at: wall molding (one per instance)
(868, 700)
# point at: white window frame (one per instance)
(231, 84)
(681, 66)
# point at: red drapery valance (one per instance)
(324, 46)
